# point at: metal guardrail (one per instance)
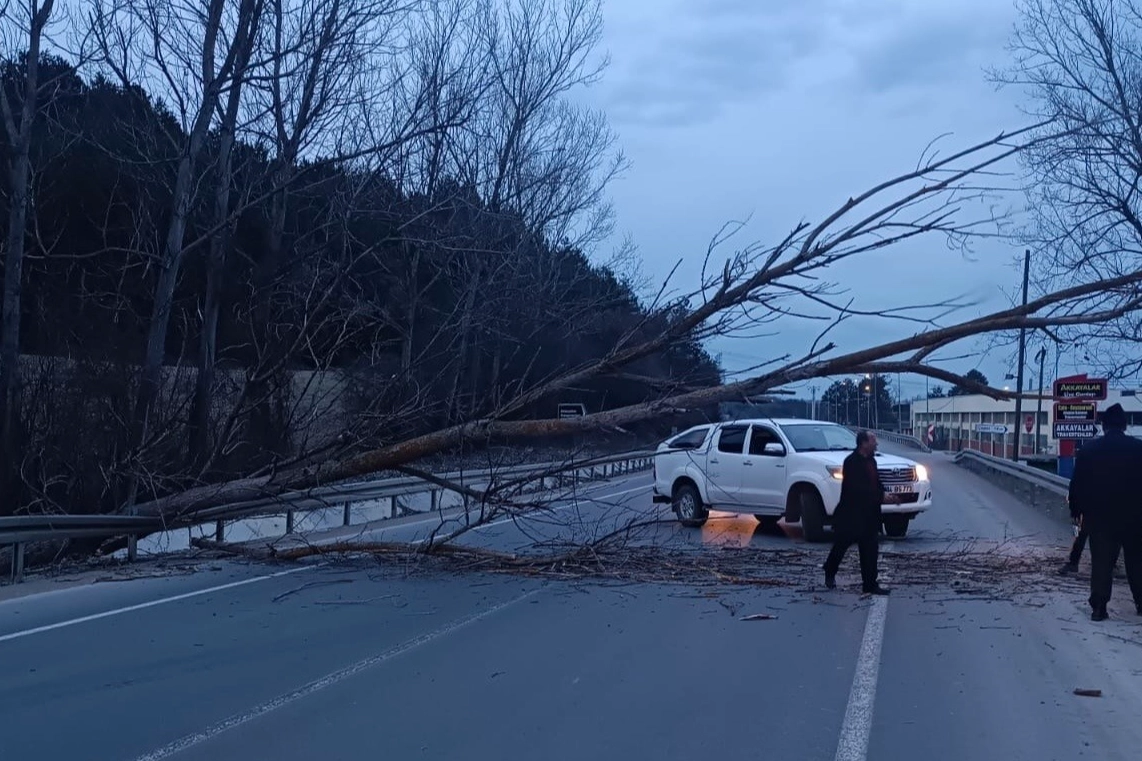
(18, 531)
(1033, 476)
(897, 438)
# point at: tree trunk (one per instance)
(462, 354)
(172, 254)
(19, 173)
(203, 402)
(263, 433)
(407, 345)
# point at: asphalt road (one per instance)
(354, 660)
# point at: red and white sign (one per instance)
(1028, 423)
(931, 432)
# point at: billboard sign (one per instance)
(1076, 412)
(1081, 387)
(571, 410)
(1072, 431)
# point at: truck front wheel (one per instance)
(688, 506)
(812, 515)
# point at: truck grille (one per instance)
(901, 475)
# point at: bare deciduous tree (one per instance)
(761, 282)
(327, 72)
(1080, 61)
(203, 402)
(190, 53)
(24, 25)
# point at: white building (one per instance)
(972, 422)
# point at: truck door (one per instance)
(763, 475)
(724, 466)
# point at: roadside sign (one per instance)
(1076, 412)
(1081, 387)
(997, 428)
(1065, 430)
(571, 409)
(1028, 423)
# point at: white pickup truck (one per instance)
(775, 469)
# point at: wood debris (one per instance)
(984, 573)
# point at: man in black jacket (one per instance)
(857, 517)
(1104, 494)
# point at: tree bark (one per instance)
(203, 402)
(173, 245)
(19, 176)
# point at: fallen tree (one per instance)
(760, 284)
(1008, 571)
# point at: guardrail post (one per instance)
(394, 506)
(17, 563)
(220, 531)
(289, 521)
(434, 500)
(132, 548)
(345, 516)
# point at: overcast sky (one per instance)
(779, 110)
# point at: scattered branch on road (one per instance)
(310, 585)
(1009, 572)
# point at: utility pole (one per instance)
(813, 414)
(1022, 359)
(1039, 406)
(899, 407)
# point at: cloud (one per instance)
(778, 110)
(687, 72)
(932, 50)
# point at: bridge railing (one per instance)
(1038, 488)
(19, 531)
(1028, 473)
(896, 438)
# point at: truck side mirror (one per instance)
(774, 450)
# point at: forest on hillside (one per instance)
(240, 235)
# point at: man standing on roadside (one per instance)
(1104, 495)
(857, 517)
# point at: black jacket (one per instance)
(858, 511)
(1105, 488)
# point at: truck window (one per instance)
(689, 440)
(732, 439)
(761, 437)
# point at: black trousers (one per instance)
(1105, 544)
(1077, 547)
(869, 548)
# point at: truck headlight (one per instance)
(836, 471)
(921, 473)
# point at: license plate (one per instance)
(900, 489)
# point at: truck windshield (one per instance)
(819, 437)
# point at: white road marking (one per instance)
(243, 582)
(328, 680)
(149, 604)
(855, 731)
